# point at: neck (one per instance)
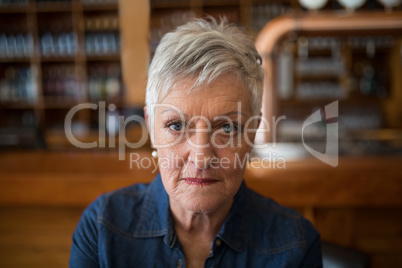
(199, 223)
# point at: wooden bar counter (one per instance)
(42, 194)
(76, 178)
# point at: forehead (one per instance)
(225, 94)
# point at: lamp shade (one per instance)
(390, 3)
(351, 4)
(313, 4)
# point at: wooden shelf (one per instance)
(57, 59)
(115, 57)
(60, 102)
(9, 9)
(16, 60)
(264, 2)
(347, 101)
(378, 135)
(207, 3)
(171, 5)
(361, 51)
(63, 6)
(318, 77)
(18, 105)
(100, 7)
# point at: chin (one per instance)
(203, 204)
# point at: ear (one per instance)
(147, 120)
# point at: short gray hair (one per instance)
(207, 50)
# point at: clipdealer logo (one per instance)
(329, 115)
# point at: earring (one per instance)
(154, 154)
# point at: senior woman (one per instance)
(203, 100)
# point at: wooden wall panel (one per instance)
(134, 29)
(335, 225)
(36, 237)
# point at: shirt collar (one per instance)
(154, 216)
(234, 228)
(156, 220)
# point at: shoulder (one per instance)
(279, 228)
(122, 198)
(110, 211)
(260, 203)
(118, 208)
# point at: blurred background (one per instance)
(55, 55)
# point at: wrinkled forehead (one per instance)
(222, 95)
(191, 85)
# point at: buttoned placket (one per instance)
(180, 260)
(173, 242)
(210, 262)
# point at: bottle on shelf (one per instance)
(62, 44)
(102, 23)
(17, 85)
(263, 13)
(59, 81)
(102, 43)
(14, 46)
(98, 2)
(104, 82)
(6, 3)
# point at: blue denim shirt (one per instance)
(133, 227)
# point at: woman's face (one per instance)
(201, 142)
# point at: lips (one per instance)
(200, 181)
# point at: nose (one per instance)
(201, 150)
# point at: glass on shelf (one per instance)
(172, 3)
(167, 22)
(360, 118)
(320, 90)
(102, 43)
(17, 85)
(321, 66)
(104, 81)
(15, 46)
(99, 2)
(102, 23)
(51, 1)
(361, 42)
(59, 81)
(62, 44)
(8, 3)
(370, 78)
(19, 129)
(263, 13)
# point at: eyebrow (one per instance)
(173, 110)
(186, 116)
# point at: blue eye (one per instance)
(228, 128)
(176, 126)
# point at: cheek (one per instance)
(171, 158)
(171, 161)
(233, 160)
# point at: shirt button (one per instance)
(179, 263)
(218, 242)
